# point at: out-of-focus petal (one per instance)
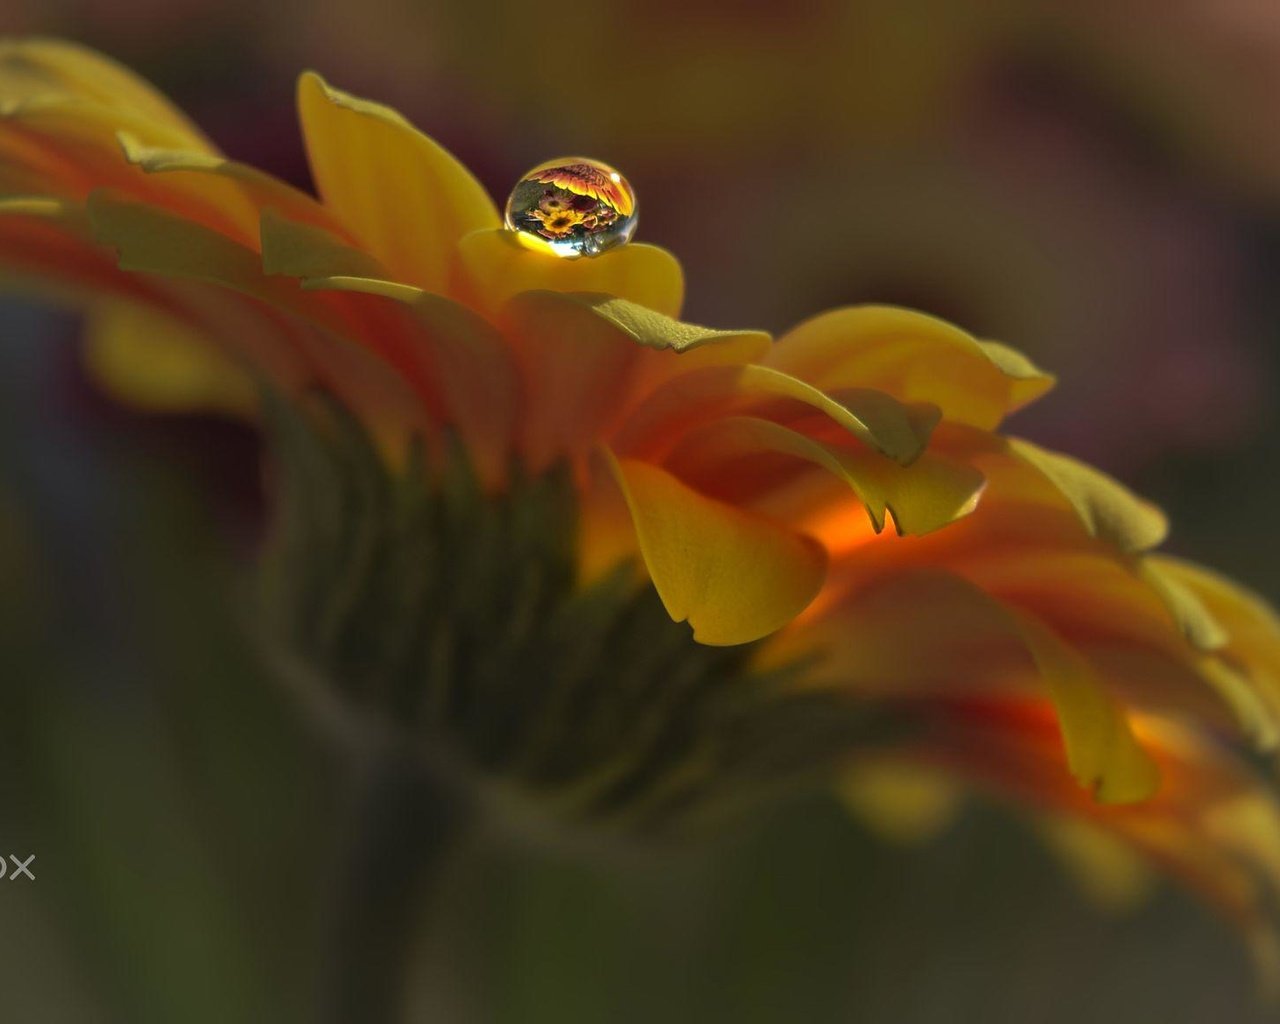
(1214, 823)
(915, 358)
(734, 576)
(1250, 651)
(1108, 871)
(1102, 752)
(152, 361)
(606, 534)
(54, 238)
(62, 110)
(899, 800)
(38, 70)
(498, 266)
(936, 635)
(400, 193)
(188, 181)
(157, 242)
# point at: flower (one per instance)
(528, 473)
(558, 222)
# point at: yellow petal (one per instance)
(48, 69)
(401, 194)
(915, 358)
(153, 361)
(1108, 510)
(733, 576)
(929, 494)
(498, 266)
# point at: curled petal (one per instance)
(734, 576)
(925, 496)
(1102, 752)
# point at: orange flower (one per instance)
(1013, 616)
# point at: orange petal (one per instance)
(930, 493)
(585, 358)
(933, 634)
(157, 242)
(467, 361)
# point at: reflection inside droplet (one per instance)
(573, 207)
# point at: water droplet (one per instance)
(573, 207)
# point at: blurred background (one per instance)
(1095, 183)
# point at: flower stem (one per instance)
(405, 823)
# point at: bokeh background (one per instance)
(1092, 181)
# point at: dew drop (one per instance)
(573, 207)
